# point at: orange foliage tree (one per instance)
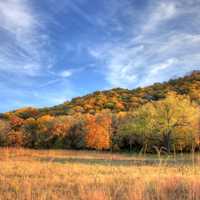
(15, 122)
(16, 138)
(98, 131)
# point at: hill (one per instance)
(120, 100)
(162, 116)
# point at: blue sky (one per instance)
(54, 50)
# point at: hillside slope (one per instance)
(118, 99)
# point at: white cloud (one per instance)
(66, 73)
(160, 13)
(163, 47)
(161, 66)
(22, 44)
(15, 15)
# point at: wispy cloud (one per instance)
(16, 15)
(22, 43)
(161, 66)
(159, 47)
(26, 58)
(159, 14)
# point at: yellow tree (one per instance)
(177, 120)
(170, 123)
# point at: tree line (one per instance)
(124, 100)
(170, 124)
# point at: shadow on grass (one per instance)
(116, 162)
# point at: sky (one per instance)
(54, 50)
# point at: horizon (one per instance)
(51, 52)
(92, 92)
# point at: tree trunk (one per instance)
(167, 141)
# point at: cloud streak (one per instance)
(26, 58)
(158, 50)
(22, 44)
(159, 14)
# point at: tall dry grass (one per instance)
(74, 175)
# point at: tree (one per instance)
(30, 129)
(16, 138)
(61, 131)
(44, 136)
(136, 130)
(26, 113)
(171, 123)
(177, 120)
(98, 129)
(15, 122)
(4, 129)
(75, 136)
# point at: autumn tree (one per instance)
(75, 138)
(61, 131)
(136, 130)
(44, 135)
(27, 112)
(171, 123)
(177, 121)
(15, 122)
(30, 129)
(16, 139)
(98, 131)
(4, 129)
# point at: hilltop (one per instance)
(119, 99)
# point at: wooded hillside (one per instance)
(164, 115)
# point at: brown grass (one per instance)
(74, 175)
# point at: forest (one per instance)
(164, 116)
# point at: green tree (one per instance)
(177, 121)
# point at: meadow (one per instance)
(92, 175)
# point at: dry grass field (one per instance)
(74, 175)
